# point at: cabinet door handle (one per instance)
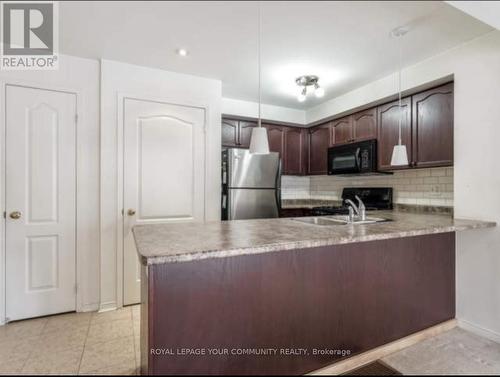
(131, 212)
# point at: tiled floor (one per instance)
(454, 352)
(83, 343)
(108, 343)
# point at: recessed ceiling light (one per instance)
(182, 52)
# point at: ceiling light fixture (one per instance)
(182, 52)
(309, 81)
(302, 95)
(259, 143)
(399, 153)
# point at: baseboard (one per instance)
(478, 330)
(385, 350)
(89, 308)
(107, 306)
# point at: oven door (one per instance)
(344, 160)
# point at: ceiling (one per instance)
(347, 44)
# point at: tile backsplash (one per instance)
(432, 187)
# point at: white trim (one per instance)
(478, 330)
(120, 99)
(106, 306)
(79, 304)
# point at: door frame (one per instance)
(120, 218)
(79, 245)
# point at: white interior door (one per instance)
(164, 173)
(40, 202)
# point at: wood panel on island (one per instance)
(267, 300)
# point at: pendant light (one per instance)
(259, 143)
(399, 153)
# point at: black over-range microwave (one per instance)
(355, 158)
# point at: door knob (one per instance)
(15, 215)
(131, 212)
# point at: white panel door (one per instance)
(40, 202)
(164, 173)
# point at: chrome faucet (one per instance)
(359, 210)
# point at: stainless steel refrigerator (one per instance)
(250, 185)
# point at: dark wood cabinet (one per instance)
(388, 131)
(229, 135)
(426, 129)
(295, 157)
(433, 127)
(342, 131)
(246, 133)
(356, 127)
(364, 124)
(427, 132)
(319, 141)
(276, 137)
(236, 133)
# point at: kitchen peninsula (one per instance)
(241, 287)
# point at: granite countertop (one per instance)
(181, 242)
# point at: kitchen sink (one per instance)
(323, 220)
(338, 220)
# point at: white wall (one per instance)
(80, 76)
(141, 82)
(269, 112)
(476, 70)
(486, 11)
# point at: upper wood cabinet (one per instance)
(364, 124)
(295, 159)
(342, 131)
(236, 133)
(276, 137)
(319, 141)
(433, 127)
(356, 127)
(388, 131)
(229, 133)
(426, 130)
(246, 133)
